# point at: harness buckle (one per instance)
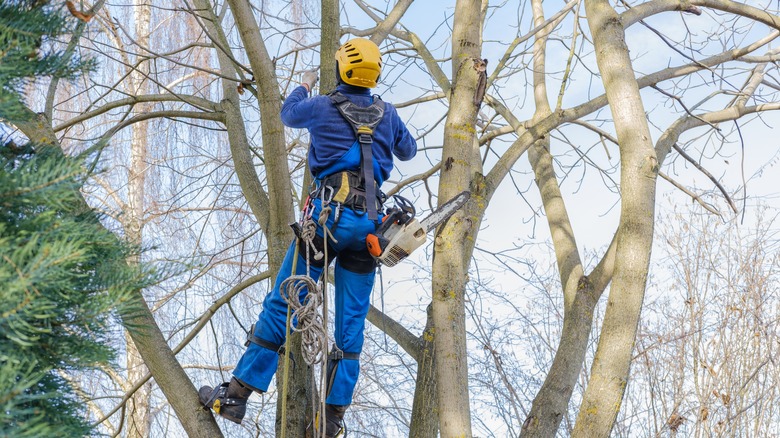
(364, 138)
(337, 354)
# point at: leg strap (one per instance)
(334, 357)
(336, 354)
(251, 338)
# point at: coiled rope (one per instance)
(311, 324)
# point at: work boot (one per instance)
(334, 422)
(228, 400)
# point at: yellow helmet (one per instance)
(359, 63)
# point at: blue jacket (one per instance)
(334, 147)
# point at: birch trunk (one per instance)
(138, 407)
(638, 170)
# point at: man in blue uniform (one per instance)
(354, 137)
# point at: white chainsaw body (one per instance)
(402, 240)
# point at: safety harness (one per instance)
(363, 121)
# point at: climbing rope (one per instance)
(311, 324)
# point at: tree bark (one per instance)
(451, 256)
(638, 170)
(139, 406)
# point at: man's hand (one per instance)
(309, 79)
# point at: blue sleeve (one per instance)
(405, 145)
(297, 108)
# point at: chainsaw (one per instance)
(400, 233)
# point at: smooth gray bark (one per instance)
(454, 240)
(638, 171)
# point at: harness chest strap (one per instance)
(365, 137)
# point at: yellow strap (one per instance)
(364, 130)
(341, 195)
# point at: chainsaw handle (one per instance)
(393, 215)
(376, 244)
(405, 205)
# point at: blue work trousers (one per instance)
(353, 290)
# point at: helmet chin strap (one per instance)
(339, 81)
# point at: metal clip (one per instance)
(326, 200)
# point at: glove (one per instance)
(309, 79)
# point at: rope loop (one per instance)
(310, 322)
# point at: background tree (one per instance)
(63, 274)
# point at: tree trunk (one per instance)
(280, 201)
(139, 406)
(425, 418)
(551, 402)
(638, 170)
(329, 44)
(451, 257)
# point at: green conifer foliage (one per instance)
(62, 274)
(28, 30)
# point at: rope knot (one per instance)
(324, 215)
(308, 233)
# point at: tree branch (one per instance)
(403, 337)
(201, 322)
(195, 101)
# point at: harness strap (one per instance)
(363, 121)
(366, 139)
(334, 357)
(251, 338)
(336, 354)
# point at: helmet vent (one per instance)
(359, 63)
